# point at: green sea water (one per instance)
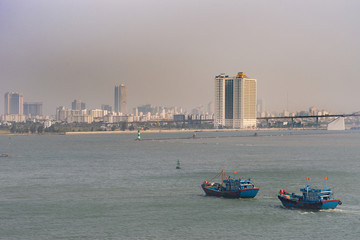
(112, 187)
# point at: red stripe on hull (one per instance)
(229, 194)
(249, 189)
(334, 200)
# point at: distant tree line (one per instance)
(26, 128)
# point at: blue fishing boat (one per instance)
(311, 198)
(230, 187)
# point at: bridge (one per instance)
(316, 117)
(356, 114)
(199, 121)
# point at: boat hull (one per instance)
(241, 193)
(291, 203)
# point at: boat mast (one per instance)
(222, 177)
(307, 187)
(326, 178)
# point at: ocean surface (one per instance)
(112, 187)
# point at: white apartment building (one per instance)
(84, 118)
(98, 113)
(13, 118)
(235, 101)
(69, 115)
(118, 118)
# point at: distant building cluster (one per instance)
(16, 110)
(79, 113)
(149, 113)
(107, 114)
(88, 116)
(312, 111)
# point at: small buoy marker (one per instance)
(138, 136)
(178, 164)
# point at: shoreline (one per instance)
(169, 131)
(188, 131)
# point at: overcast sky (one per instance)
(302, 53)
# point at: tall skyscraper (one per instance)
(120, 104)
(33, 109)
(14, 103)
(78, 105)
(235, 101)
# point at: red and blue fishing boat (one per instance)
(230, 187)
(311, 198)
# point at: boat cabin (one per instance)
(315, 195)
(232, 184)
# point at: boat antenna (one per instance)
(325, 179)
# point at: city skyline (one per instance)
(299, 60)
(35, 108)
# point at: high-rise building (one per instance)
(235, 101)
(106, 107)
(78, 105)
(259, 107)
(62, 113)
(120, 104)
(33, 109)
(147, 108)
(210, 108)
(14, 103)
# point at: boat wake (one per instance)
(307, 212)
(345, 211)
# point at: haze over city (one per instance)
(302, 53)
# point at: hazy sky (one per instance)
(168, 52)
